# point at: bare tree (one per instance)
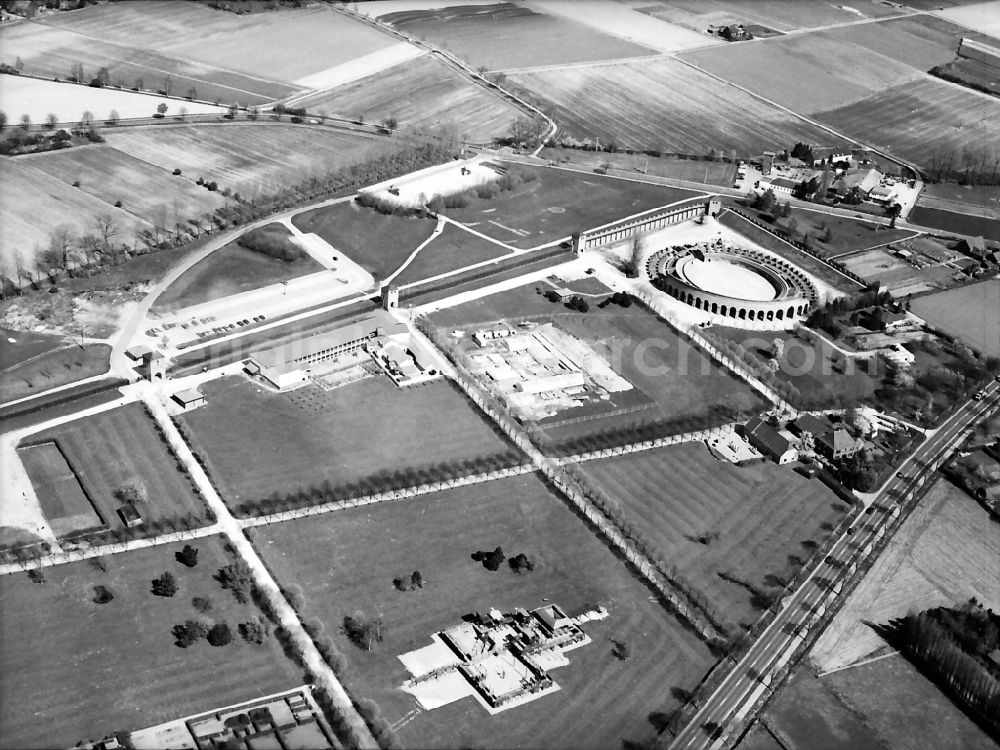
(61, 242)
(108, 231)
(113, 117)
(25, 123)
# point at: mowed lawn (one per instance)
(970, 313)
(761, 513)
(506, 35)
(663, 105)
(247, 157)
(379, 243)
(150, 193)
(898, 120)
(559, 202)
(67, 364)
(453, 249)
(345, 562)
(230, 270)
(121, 446)
(420, 94)
(74, 670)
(258, 443)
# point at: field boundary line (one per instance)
(644, 445)
(405, 493)
(589, 63)
(861, 663)
(876, 247)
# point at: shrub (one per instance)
(220, 635)
(272, 241)
(165, 585)
(177, 171)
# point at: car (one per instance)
(850, 530)
(314, 122)
(977, 397)
(901, 475)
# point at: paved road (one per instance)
(718, 722)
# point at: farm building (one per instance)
(556, 382)
(974, 246)
(836, 444)
(811, 424)
(769, 441)
(881, 194)
(780, 185)
(828, 155)
(980, 52)
(864, 181)
(291, 364)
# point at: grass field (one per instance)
(671, 379)
(229, 270)
(706, 172)
(251, 157)
(377, 242)
(899, 118)
(559, 202)
(32, 204)
(968, 313)
(122, 446)
(67, 364)
(259, 443)
(946, 551)
(16, 347)
(980, 196)
(420, 94)
(454, 248)
(60, 495)
(813, 368)
(149, 193)
(911, 710)
(829, 73)
(505, 36)
(346, 561)
(664, 105)
(76, 670)
(761, 513)
(806, 262)
(847, 235)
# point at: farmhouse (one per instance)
(811, 424)
(780, 185)
(837, 444)
(291, 364)
(974, 246)
(864, 181)
(769, 441)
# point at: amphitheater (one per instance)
(739, 284)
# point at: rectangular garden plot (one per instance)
(64, 502)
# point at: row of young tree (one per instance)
(383, 481)
(952, 645)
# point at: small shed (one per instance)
(130, 516)
(189, 398)
(138, 353)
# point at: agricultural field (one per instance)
(32, 204)
(950, 195)
(981, 17)
(716, 173)
(829, 73)
(421, 95)
(68, 101)
(776, 14)
(823, 378)
(66, 364)
(624, 22)
(968, 313)
(149, 193)
(505, 36)
(76, 670)
(453, 249)
(251, 157)
(257, 443)
(758, 515)
(946, 551)
(551, 204)
(899, 118)
(283, 45)
(663, 105)
(122, 446)
(379, 243)
(968, 222)
(230, 270)
(345, 562)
